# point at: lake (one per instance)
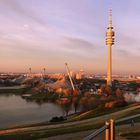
(14, 110)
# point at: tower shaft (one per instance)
(109, 42)
(109, 67)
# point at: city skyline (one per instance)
(42, 33)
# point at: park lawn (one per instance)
(128, 130)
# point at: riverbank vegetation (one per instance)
(17, 91)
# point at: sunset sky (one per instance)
(48, 33)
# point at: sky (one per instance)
(47, 33)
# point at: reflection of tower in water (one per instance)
(109, 42)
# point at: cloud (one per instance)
(122, 53)
(128, 40)
(26, 26)
(22, 11)
(127, 56)
(79, 44)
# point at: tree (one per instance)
(119, 93)
(92, 103)
(65, 104)
(108, 90)
(102, 88)
(88, 103)
(84, 103)
(75, 101)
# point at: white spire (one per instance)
(110, 15)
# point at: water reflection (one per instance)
(16, 111)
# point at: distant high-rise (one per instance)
(109, 42)
(44, 71)
(80, 74)
(30, 72)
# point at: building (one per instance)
(80, 74)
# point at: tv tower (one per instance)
(110, 42)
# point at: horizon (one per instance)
(64, 72)
(40, 34)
